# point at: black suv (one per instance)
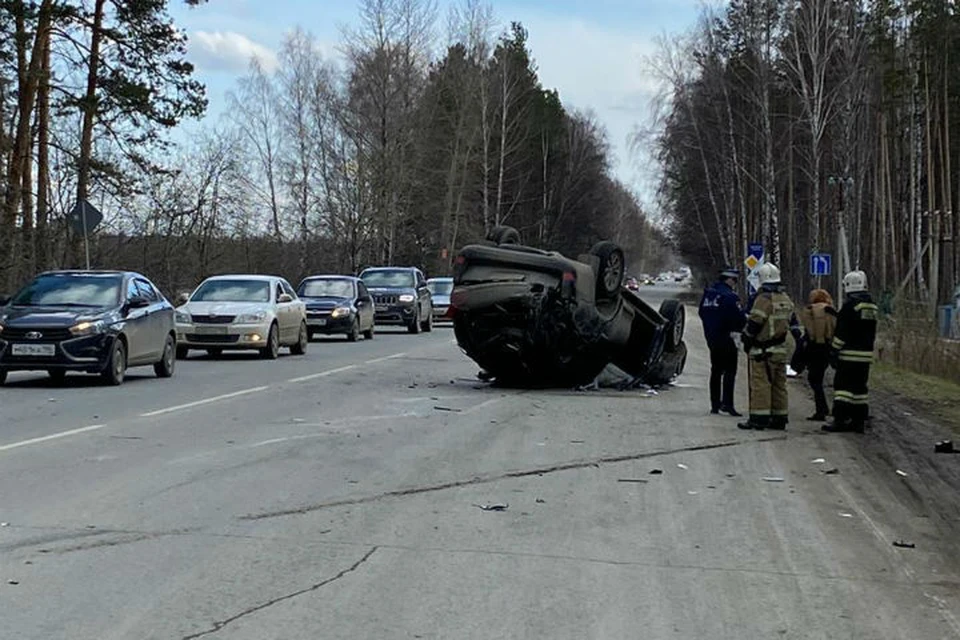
(401, 297)
(88, 321)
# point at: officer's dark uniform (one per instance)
(765, 340)
(852, 355)
(721, 315)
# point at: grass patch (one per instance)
(932, 396)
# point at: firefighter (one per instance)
(852, 355)
(819, 320)
(722, 316)
(765, 342)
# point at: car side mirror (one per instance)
(183, 299)
(284, 298)
(137, 302)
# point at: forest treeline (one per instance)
(818, 126)
(412, 143)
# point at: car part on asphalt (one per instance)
(535, 318)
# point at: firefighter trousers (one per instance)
(850, 394)
(768, 391)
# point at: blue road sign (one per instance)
(755, 249)
(821, 264)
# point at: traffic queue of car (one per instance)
(105, 322)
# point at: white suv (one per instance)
(242, 312)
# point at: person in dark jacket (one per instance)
(722, 316)
(819, 323)
(852, 355)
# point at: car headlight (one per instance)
(340, 312)
(182, 318)
(88, 328)
(252, 318)
(406, 297)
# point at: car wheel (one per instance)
(504, 235)
(214, 353)
(310, 336)
(428, 323)
(272, 350)
(673, 312)
(611, 270)
(414, 327)
(368, 334)
(57, 375)
(182, 353)
(354, 334)
(116, 369)
(168, 361)
(3, 376)
(300, 348)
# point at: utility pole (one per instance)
(843, 252)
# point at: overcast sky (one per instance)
(592, 51)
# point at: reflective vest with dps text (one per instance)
(856, 329)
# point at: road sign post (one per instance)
(85, 218)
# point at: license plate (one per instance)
(42, 350)
(382, 307)
(212, 331)
(318, 322)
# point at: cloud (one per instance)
(229, 51)
(603, 69)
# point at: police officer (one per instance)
(722, 316)
(819, 322)
(765, 342)
(852, 354)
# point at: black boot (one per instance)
(778, 423)
(731, 411)
(845, 426)
(757, 423)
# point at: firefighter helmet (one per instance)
(855, 281)
(768, 274)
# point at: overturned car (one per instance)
(534, 318)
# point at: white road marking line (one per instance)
(197, 403)
(323, 373)
(385, 358)
(52, 436)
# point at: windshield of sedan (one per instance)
(388, 278)
(326, 288)
(232, 291)
(440, 287)
(71, 290)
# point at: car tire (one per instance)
(3, 376)
(116, 369)
(673, 311)
(310, 336)
(299, 348)
(168, 361)
(368, 334)
(57, 375)
(354, 333)
(611, 270)
(214, 353)
(272, 350)
(414, 327)
(182, 353)
(427, 324)
(504, 235)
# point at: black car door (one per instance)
(364, 306)
(426, 307)
(157, 322)
(136, 326)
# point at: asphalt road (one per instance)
(335, 496)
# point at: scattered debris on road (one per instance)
(13, 582)
(4, 524)
(541, 501)
(492, 507)
(656, 472)
(680, 465)
(904, 545)
(818, 461)
(772, 479)
(692, 493)
(944, 446)
(451, 409)
(844, 514)
(901, 473)
(832, 472)
(636, 480)
(577, 441)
